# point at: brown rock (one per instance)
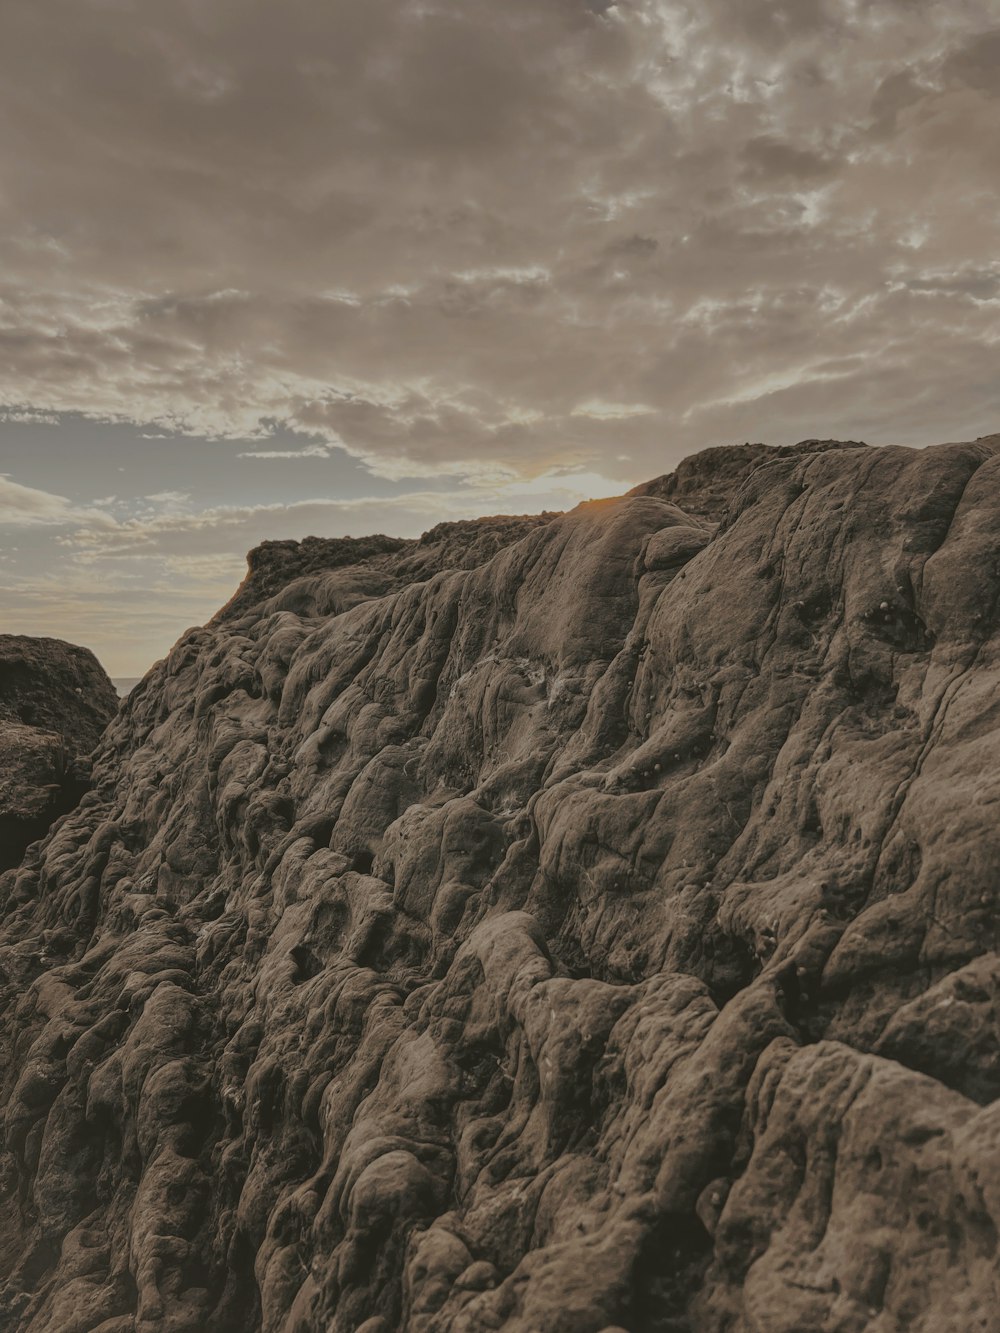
(576, 924)
(55, 700)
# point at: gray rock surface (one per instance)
(55, 700)
(589, 926)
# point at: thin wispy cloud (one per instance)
(283, 455)
(28, 507)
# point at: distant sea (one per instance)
(124, 683)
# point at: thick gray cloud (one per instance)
(471, 244)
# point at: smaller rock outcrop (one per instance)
(324, 576)
(704, 484)
(55, 700)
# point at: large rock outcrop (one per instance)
(55, 700)
(596, 932)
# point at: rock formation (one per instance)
(578, 924)
(55, 700)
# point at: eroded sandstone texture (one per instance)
(579, 924)
(55, 700)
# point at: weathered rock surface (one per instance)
(327, 575)
(704, 484)
(55, 700)
(597, 933)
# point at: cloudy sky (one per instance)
(336, 266)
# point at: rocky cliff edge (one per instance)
(597, 935)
